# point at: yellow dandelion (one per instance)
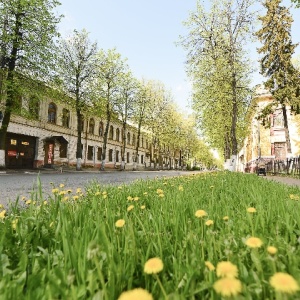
(120, 223)
(104, 193)
(136, 294)
(153, 265)
(209, 222)
(272, 250)
(284, 283)
(28, 202)
(65, 199)
(159, 191)
(226, 218)
(97, 193)
(251, 210)
(136, 198)
(1, 206)
(227, 269)
(14, 224)
(78, 191)
(55, 191)
(120, 187)
(129, 198)
(228, 287)
(143, 206)
(75, 197)
(200, 213)
(145, 193)
(210, 266)
(104, 196)
(254, 242)
(23, 198)
(130, 207)
(180, 188)
(34, 202)
(45, 202)
(61, 185)
(294, 197)
(69, 191)
(161, 195)
(62, 193)
(2, 214)
(211, 186)
(165, 183)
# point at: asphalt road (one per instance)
(14, 184)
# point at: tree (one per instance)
(124, 106)
(27, 33)
(297, 2)
(276, 62)
(106, 88)
(219, 69)
(76, 69)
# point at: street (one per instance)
(14, 184)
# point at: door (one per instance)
(279, 151)
(49, 153)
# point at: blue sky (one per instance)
(144, 32)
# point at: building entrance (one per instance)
(20, 151)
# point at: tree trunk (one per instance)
(105, 137)
(79, 148)
(123, 146)
(137, 147)
(286, 129)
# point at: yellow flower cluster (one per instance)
(153, 266)
(284, 283)
(254, 242)
(200, 213)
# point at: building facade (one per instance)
(267, 138)
(44, 134)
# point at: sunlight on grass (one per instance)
(204, 236)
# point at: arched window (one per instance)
(91, 126)
(65, 120)
(128, 138)
(118, 135)
(110, 155)
(34, 107)
(52, 113)
(117, 156)
(133, 140)
(111, 132)
(127, 157)
(101, 129)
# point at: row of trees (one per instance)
(93, 81)
(220, 70)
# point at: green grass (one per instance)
(71, 249)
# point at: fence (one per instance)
(289, 166)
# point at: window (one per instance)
(117, 156)
(91, 126)
(101, 129)
(142, 159)
(63, 149)
(127, 157)
(142, 142)
(65, 120)
(110, 155)
(118, 135)
(99, 154)
(52, 113)
(128, 138)
(111, 132)
(34, 107)
(90, 153)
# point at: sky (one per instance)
(146, 33)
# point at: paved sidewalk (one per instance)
(285, 180)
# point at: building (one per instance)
(267, 137)
(44, 134)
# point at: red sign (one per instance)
(50, 153)
(12, 153)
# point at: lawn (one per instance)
(207, 236)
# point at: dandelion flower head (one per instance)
(136, 294)
(272, 250)
(228, 287)
(251, 210)
(209, 222)
(227, 269)
(153, 265)
(130, 207)
(284, 283)
(120, 223)
(210, 266)
(200, 213)
(254, 242)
